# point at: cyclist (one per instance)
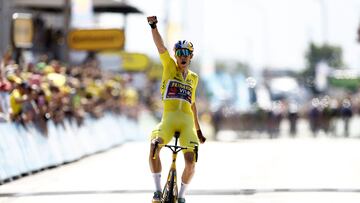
(178, 90)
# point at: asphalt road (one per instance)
(251, 171)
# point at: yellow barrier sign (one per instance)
(23, 30)
(96, 39)
(124, 61)
(134, 61)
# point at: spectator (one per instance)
(41, 108)
(334, 110)
(314, 116)
(55, 106)
(5, 88)
(293, 116)
(18, 97)
(346, 114)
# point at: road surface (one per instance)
(251, 171)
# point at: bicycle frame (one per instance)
(170, 190)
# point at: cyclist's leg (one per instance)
(161, 135)
(188, 138)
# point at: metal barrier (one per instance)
(25, 151)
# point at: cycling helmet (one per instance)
(183, 44)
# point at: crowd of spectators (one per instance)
(48, 90)
(34, 94)
(323, 114)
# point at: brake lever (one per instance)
(196, 149)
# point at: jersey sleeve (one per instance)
(167, 63)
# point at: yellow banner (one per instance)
(23, 30)
(134, 61)
(96, 39)
(127, 61)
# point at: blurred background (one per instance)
(268, 70)
(260, 61)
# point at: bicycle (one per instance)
(170, 190)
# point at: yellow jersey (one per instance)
(15, 106)
(178, 93)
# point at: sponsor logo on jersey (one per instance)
(178, 90)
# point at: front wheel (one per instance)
(170, 190)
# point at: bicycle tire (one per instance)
(169, 196)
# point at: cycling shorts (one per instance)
(173, 121)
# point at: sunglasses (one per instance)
(182, 52)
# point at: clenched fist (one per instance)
(152, 20)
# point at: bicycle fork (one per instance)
(171, 190)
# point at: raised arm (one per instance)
(152, 20)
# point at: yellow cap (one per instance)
(14, 78)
